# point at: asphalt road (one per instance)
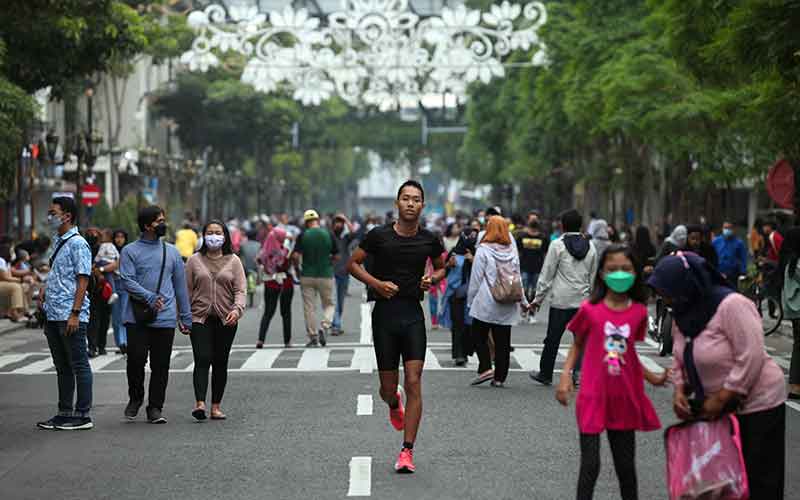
(294, 428)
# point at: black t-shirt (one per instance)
(400, 259)
(532, 251)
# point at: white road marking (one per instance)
(100, 362)
(35, 367)
(364, 404)
(652, 343)
(527, 358)
(360, 477)
(189, 368)
(364, 360)
(650, 364)
(563, 353)
(431, 361)
(262, 359)
(783, 363)
(366, 323)
(793, 405)
(345, 345)
(8, 359)
(314, 359)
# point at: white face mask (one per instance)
(214, 241)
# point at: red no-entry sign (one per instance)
(90, 194)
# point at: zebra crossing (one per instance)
(340, 357)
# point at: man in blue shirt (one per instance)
(140, 268)
(732, 255)
(66, 306)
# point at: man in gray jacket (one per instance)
(567, 276)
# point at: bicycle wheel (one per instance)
(771, 311)
(665, 344)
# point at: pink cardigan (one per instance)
(215, 295)
(730, 354)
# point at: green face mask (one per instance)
(620, 281)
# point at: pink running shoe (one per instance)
(397, 416)
(405, 462)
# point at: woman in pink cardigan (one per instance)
(217, 290)
(720, 365)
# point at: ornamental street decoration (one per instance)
(372, 52)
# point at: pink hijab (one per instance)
(273, 253)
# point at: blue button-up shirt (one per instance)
(73, 260)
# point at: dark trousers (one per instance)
(556, 324)
(794, 366)
(72, 368)
(502, 347)
(764, 450)
(144, 341)
(459, 330)
(211, 345)
(271, 299)
(99, 321)
(623, 450)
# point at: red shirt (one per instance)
(774, 248)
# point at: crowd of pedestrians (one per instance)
(483, 273)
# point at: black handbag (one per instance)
(142, 312)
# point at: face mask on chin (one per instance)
(161, 229)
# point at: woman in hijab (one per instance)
(278, 285)
(790, 269)
(600, 236)
(674, 242)
(720, 365)
(454, 312)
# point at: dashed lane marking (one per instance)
(364, 404)
(360, 477)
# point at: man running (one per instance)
(397, 284)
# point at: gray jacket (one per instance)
(568, 273)
(482, 305)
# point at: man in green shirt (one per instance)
(316, 251)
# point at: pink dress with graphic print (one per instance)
(611, 394)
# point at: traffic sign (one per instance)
(90, 194)
(781, 184)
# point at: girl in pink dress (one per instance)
(611, 396)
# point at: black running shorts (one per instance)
(398, 329)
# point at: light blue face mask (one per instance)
(54, 222)
(726, 232)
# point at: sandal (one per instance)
(199, 414)
(218, 415)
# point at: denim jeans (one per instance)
(71, 359)
(342, 282)
(529, 282)
(120, 333)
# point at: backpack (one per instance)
(507, 288)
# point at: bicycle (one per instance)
(762, 291)
(660, 328)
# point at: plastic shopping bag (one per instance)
(704, 460)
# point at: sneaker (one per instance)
(132, 409)
(154, 416)
(199, 414)
(287, 345)
(397, 416)
(259, 345)
(51, 424)
(405, 462)
(498, 384)
(537, 377)
(75, 424)
(321, 335)
(312, 343)
(102, 352)
(483, 378)
(92, 353)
